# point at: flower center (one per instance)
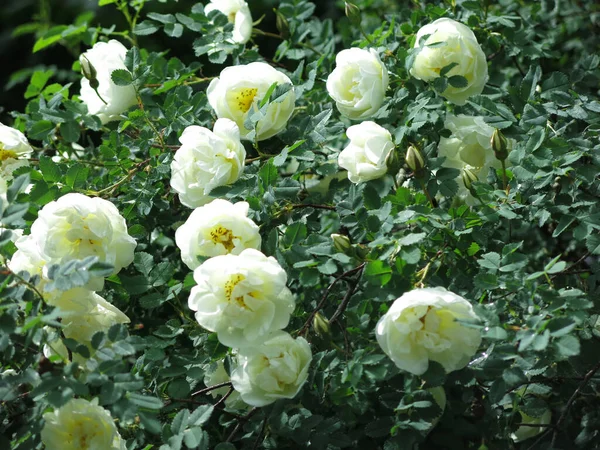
(245, 97)
(6, 154)
(230, 285)
(231, 17)
(224, 236)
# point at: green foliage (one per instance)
(525, 254)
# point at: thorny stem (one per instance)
(184, 83)
(122, 181)
(22, 280)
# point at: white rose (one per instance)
(272, 370)
(81, 425)
(241, 297)
(358, 83)
(27, 258)
(85, 313)
(469, 147)
(240, 89)
(459, 47)
(217, 375)
(14, 151)
(238, 14)
(75, 227)
(216, 229)
(205, 160)
(365, 157)
(105, 57)
(422, 325)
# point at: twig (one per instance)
(212, 388)
(242, 420)
(225, 397)
(344, 304)
(312, 205)
(260, 433)
(321, 304)
(563, 416)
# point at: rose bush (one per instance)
(212, 243)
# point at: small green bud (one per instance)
(282, 24)
(468, 177)
(87, 69)
(499, 145)
(392, 162)
(414, 160)
(341, 243)
(353, 13)
(321, 325)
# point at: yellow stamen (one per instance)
(224, 236)
(245, 97)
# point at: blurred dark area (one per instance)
(24, 21)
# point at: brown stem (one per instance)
(321, 304)
(344, 304)
(212, 388)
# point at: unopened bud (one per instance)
(341, 243)
(87, 69)
(499, 145)
(353, 13)
(392, 162)
(414, 160)
(468, 177)
(321, 325)
(282, 24)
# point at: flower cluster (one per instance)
(71, 228)
(358, 86)
(241, 295)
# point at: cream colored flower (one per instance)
(238, 14)
(275, 369)
(422, 326)
(105, 57)
(241, 297)
(81, 425)
(238, 92)
(85, 313)
(358, 83)
(217, 228)
(469, 148)
(75, 227)
(206, 159)
(365, 157)
(456, 45)
(14, 151)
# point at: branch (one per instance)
(321, 304)
(563, 416)
(353, 287)
(212, 388)
(241, 421)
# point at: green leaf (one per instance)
(440, 84)
(567, 346)
(458, 81)
(121, 77)
(144, 401)
(145, 28)
(201, 415)
(77, 176)
(50, 170)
